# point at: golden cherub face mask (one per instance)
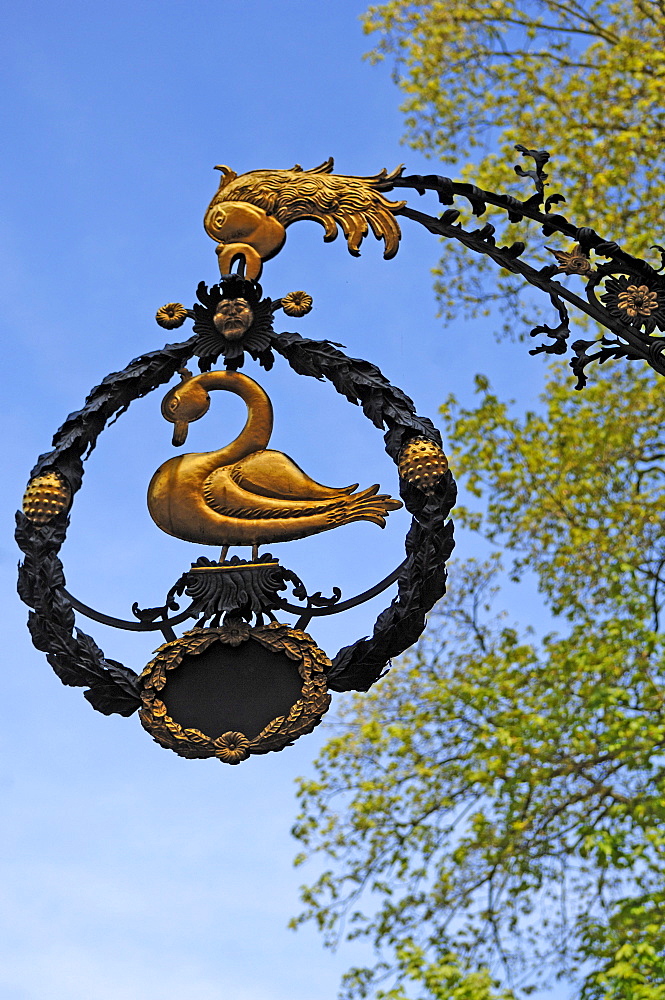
(233, 318)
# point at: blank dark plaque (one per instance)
(232, 689)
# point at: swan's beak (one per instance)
(180, 432)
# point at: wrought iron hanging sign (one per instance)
(240, 681)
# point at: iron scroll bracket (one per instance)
(631, 306)
(166, 624)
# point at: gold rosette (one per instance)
(172, 315)
(297, 304)
(573, 261)
(232, 747)
(638, 300)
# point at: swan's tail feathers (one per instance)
(368, 505)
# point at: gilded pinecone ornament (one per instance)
(422, 463)
(46, 496)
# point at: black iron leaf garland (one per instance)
(112, 687)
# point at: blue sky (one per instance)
(127, 872)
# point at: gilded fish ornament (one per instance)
(250, 212)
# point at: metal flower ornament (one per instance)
(242, 681)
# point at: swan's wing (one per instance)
(273, 474)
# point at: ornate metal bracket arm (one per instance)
(632, 304)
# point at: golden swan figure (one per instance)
(245, 494)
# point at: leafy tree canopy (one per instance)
(584, 79)
(492, 815)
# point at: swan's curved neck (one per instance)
(255, 435)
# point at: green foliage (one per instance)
(585, 80)
(492, 814)
(633, 947)
(576, 491)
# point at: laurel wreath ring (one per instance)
(112, 687)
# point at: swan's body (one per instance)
(245, 494)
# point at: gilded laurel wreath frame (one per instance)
(234, 747)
